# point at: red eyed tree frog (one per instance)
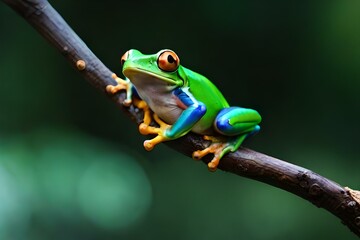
(182, 101)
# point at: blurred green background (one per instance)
(72, 165)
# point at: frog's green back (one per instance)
(204, 90)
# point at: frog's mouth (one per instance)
(141, 76)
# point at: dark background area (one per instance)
(72, 165)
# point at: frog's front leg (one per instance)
(192, 113)
(236, 123)
(141, 104)
(121, 85)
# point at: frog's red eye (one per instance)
(168, 61)
(124, 58)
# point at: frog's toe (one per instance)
(216, 148)
(150, 144)
(145, 129)
(117, 79)
(199, 154)
(114, 76)
(113, 89)
(212, 166)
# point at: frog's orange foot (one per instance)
(145, 129)
(218, 147)
(121, 85)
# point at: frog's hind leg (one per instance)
(235, 124)
(233, 121)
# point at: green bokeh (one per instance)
(72, 166)
(60, 176)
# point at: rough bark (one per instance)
(343, 202)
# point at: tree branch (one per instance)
(342, 202)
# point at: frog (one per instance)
(180, 101)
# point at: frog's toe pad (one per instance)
(212, 166)
(111, 89)
(150, 144)
(143, 129)
(196, 155)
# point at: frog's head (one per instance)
(160, 70)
